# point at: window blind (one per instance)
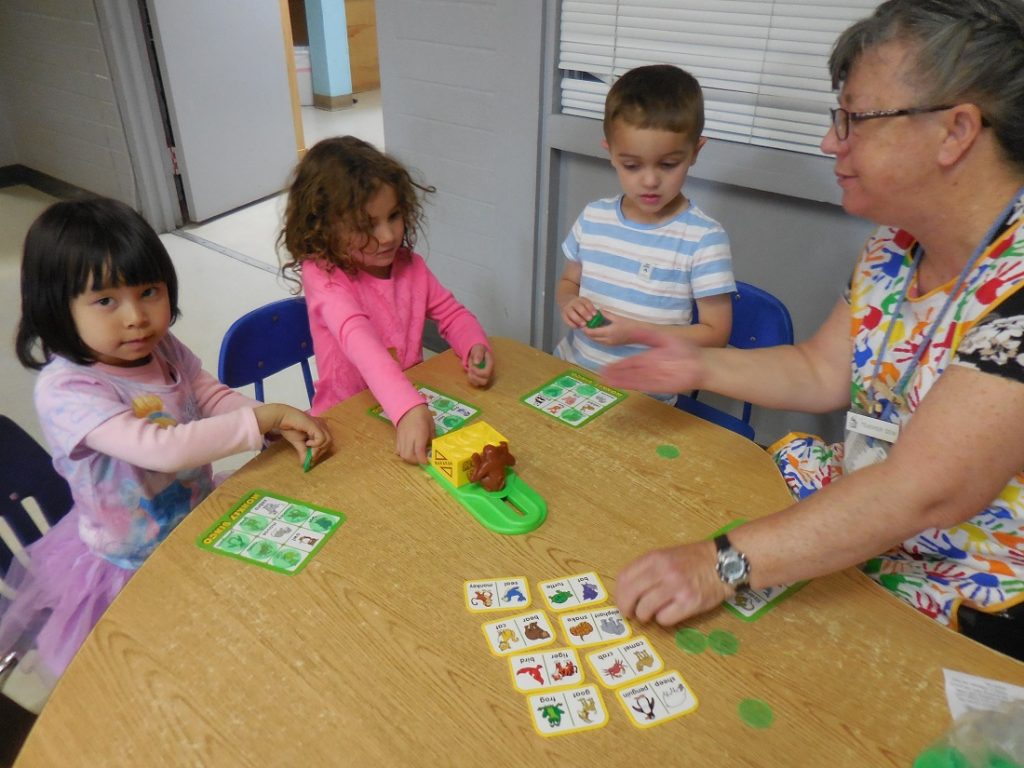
(763, 64)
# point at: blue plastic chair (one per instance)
(758, 320)
(267, 340)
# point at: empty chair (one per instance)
(33, 497)
(267, 340)
(758, 320)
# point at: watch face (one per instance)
(732, 569)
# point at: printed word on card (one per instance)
(518, 633)
(577, 709)
(573, 591)
(545, 671)
(626, 662)
(657, 700)
(593, 627)
(501, 594)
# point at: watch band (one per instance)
(732, 565)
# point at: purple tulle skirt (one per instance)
(58, 599)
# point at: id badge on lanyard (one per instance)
(868, 440)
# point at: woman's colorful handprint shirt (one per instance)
(980, 561)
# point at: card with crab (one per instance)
(501, 594)
(657, 700)
(624, 663)
(547, 671)
(573, 591)
(515, 634)
(574, 709)
(595, 627)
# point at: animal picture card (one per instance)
(621, 664)
(594, 627)
(573, 591)
(751, 604)
(573, 398)
(576, 709)
(449, 412)
(548, 670)
(272, 531)
(515, 634)
(657, 700)
(496, 594)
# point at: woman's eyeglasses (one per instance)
(842, 118)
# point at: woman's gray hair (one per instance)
(967, 51)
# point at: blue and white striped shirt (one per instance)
(648, 272)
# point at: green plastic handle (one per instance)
(515, 509)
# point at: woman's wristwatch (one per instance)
(733, 566)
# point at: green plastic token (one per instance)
(667, 451)
(597, 320)
(756, 713)
(308, 463)
(723, 642)
(691, 640)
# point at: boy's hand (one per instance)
(618, 331)
(577, 311)
(297, 427)
(415, 430)
(481, 366)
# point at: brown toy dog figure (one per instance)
(489, 468)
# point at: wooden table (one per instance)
(369, 657)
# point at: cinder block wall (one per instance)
(56, 97)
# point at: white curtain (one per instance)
(763, 64)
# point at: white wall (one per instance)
(55, 86)
(460, 89)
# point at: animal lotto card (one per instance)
(573, 398)
(593, 627)
(449, 412)
(624, 663)
(272, 531)
(573, 591)
(516, 634)
(577, 709)
(751, 604)
(657, 700)
(496, 594)
(549, 670)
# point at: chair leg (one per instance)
(17, 723)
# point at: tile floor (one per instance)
(231, 257)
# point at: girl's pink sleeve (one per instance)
(215, 398)
(183, 446)
(457, 325)
(347, 322)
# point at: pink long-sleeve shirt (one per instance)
(367, 330)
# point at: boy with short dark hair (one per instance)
(647, 256)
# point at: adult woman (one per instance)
(928, 141)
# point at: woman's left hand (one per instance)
(481, 366)
(672, 584)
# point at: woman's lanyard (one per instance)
(993, 232)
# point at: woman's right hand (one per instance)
(577, 312)
(414, 430)
(297, 427)
(672, 364)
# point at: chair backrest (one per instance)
(759, 319)
(267, 340)
(32, 495)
